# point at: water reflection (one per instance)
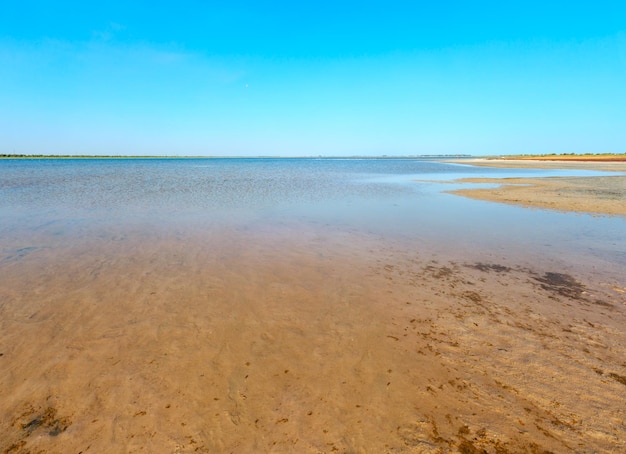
(392, 198)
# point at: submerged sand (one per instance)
(275, 342)
(597, 194)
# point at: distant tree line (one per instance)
(574, 154)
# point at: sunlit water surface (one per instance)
(45, 203)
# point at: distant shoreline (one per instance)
(429, 157)
(479, 160)
(607, 157)
(607, 163)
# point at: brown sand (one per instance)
(611, 166)
(598, 194)
(309, 343)
(569, 158)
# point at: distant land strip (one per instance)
(86, 156)
(585, 157)
(55, 156)
(600, 157)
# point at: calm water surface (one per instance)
(44, 202)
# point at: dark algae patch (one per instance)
(618, 378)
(563, 284)
(557, 283)
(48, 422)
(442, 272)
(486, 267)
(34, 424)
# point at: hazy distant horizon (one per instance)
(424, 156)
(400, 157)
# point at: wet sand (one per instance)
(303, 341)
(597, 195)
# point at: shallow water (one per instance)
(48, 202)
(195, 305)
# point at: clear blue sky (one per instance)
(321, 78)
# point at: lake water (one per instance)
(301, 305)
(52, 202)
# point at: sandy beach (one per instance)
(298, 338)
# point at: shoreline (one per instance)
(538, 163)
(357, 157)
(599, 195)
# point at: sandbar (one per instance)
(595, 194)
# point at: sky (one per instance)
(330, 78)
